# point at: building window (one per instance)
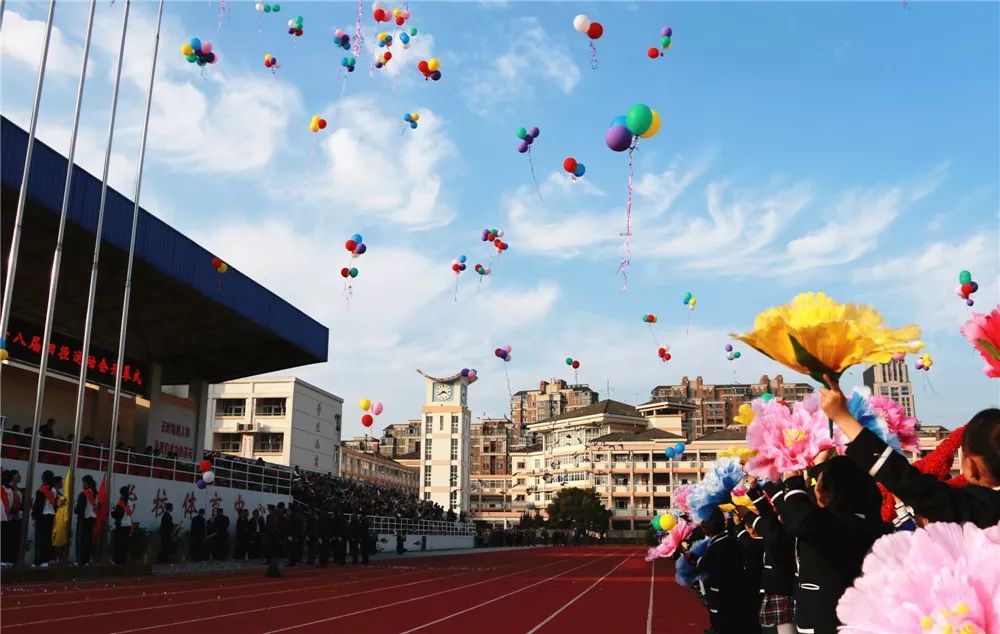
(270, 407)
(427, 450)
(454, 448)
(453, 500)
(427, 475)
(428, 424)
(454, 423)
(427, 495)
(268, 443)
(453, 479)
(231, 407)
(230, 442)
(336, 420)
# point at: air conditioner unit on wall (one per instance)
(244, 426)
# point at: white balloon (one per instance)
(581, 23)
(666, 347)
(259, 7)
(208, 477)
(499, 233)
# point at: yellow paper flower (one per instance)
(738, 500)
(743, 453)
(745, 415)
(815, 335)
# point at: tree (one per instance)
(538, 521)
(525, 521)
(578, 508)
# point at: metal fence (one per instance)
(384, 525)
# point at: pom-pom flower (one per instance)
(788, 439)
(680, 498)
(885, 418)
(984, 333)
(671, 541)
(944, 578)
(687, 573)
(816, 336)
(715, 488)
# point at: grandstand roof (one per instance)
(734, 432)
(196, 323)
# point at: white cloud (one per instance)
(533, 57)
(21, 47)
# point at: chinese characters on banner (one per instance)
(172, 438)
(24, 343)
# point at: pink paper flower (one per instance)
(680, 497)
(898, 423)
(945, 578)
(671, 541)
(788, 439)
(984, 333)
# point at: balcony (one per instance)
(622, 488)
(641, 512)
(661, 488)
(603, 487)
(621, 465)
(642, 488)
(602, 466)
(622, 512)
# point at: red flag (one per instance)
(102, 511)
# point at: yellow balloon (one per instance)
(415, 116)
(314, 127)
(267, 57)
(365, 405)
(3, 354)
(693, 302)
(667, 522)
(187, 49)
(223, 267)
(433, 64)
(654, 127)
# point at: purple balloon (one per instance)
(975, 286)
(360, 249)
(529, 139)
(969, 302)
(618, 138)
(729, 347)
(666, 31)
(534, 132)
(201, 484)
(522, 147)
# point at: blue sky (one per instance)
(850, 148)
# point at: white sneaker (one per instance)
(45, 565)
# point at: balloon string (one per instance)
(456, 287)
(593, 56)
(507, 374)
(687, 329)
(531, 164)
(653, 334)
(222, 13)
(627, 255)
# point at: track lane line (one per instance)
(574, 599)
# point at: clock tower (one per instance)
(445, 441)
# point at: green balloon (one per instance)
(191, 58)
(276, 8)
(655, 522)
(569, 360)
(267, 8)
(522, 133)
(353, 272)
(413, 31)
(351, 61)
(665, 41)
(965, 277)
(638, 119)
(766, 396)
(736, 355)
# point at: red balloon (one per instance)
(666, 357)
(966, 289)
(569, 164)
(400, 20)
(351, 245)
(345, 272)
(422, 66)
(595, 31)
(322, 123)
(367, 419)
(216, 263)
(298, 32)
(456, 267)
(653, 52)
(498, 243)
(576, 364)
(661, 351)
(204, 466)
(388, 56)
(379, 14)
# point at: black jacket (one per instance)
(724, 585)
(198, 528)
(778, 576)
(928, 496)
(166, 526)
(830, 548)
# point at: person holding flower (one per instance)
(979, 502)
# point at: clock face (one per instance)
(442, 392)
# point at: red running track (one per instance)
(525, 591)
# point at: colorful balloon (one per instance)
(365, 404)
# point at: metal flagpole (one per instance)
(116, 406)
(88, 320)
(15, 242)
(43, 364)
(8, 289)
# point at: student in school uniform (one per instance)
(11, 507)
(752, 546)
(168, 529)
(43, 511)
(979, 502)
(777, 583)
(833, 534)
(722, 564)
(86, 516)
(122, 516)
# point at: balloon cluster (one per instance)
(205, 474)
(503, 352)
(664, 353)
(198, 52)
(270, 61)
(430, 69)
(483, 270)
(262, 7)
(574, 167)
(674, 452)
(384, 41)
(368, 406)
(966, 287)
(663, 523)
(349, 62)
(593, 30)
(405, 36)
(469, 373)
(494, 235)
(357, 248)
(317, 123)
(649, 319)
(295, 26)
(412, 118)
(219, 265)
(691, 301)
(397, 15)
(342, 40)
(573, 363)
(640, 121)
(665, 43)
(730, 353)
(924, 362)
(458, 264)
(527, 137)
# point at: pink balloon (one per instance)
(507, 348)
(215, 60)
(377, 407)
(472, 374)
(339, 33)
(206, 48)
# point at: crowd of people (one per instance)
(783, 566)
(333, 494)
